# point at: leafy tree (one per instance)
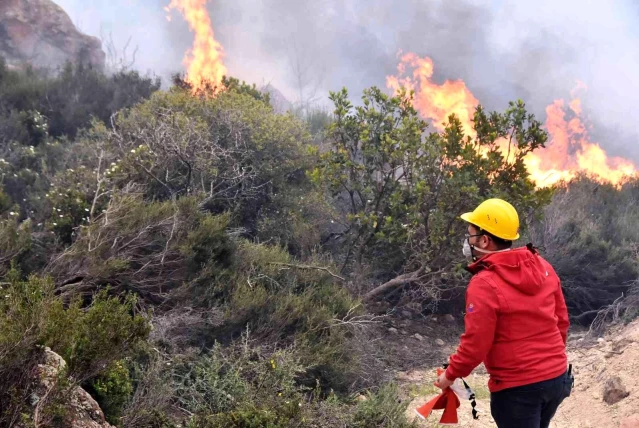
(402, 190)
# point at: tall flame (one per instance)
(568, 152)
(204, 61)
(433, 101)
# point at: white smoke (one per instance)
(503, 50)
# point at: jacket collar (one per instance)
(489, 259)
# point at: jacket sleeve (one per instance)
(561, 312)
(480, 321)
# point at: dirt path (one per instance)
(594, 362)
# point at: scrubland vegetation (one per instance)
(207, 262)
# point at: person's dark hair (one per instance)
(501, 244)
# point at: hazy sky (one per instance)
(503, 50)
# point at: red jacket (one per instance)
(516, 321)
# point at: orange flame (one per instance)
(433, 101)
(204, 61)
(567, 153)
(570, 150)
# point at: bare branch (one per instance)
(309, 267)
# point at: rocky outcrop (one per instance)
(40, 33)
(278, 101)
(80, 409)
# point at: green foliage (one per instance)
(5, 202)
(15, 240)
(229, 84)
(402, 190)
(318, 120)
(264, 292)
(35, 104)
(93, 338)
(89, 339)
(237, 376)
(230, 148)
(236, 224)
(382, 409)
(149, 248)
(112, 390)
(209, 251)
(234, 85)
(71, 200)
(247, 386)
(297, 220)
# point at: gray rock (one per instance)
(83, 411)
(614, 390)
(40, 33)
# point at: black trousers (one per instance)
(530, 406)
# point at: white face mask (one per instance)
(468, 251)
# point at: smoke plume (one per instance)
(502, 50)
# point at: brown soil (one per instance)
(594, 360)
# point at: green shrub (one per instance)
(282, 304)
(249, 417)
(90, 339)
(69, 99)
(5, 202)
(15, 239)
(240, 384)
(148, 248)
(588, 235)
(209, 254)
(382, 409)
(112, 390)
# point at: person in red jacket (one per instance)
(516, 322)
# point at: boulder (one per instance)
(40, 33)
(79, 408)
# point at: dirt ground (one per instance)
(417, 347)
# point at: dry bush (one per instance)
(135, 246)
(623, 310)
(184, 327)
(153, 397)
(587, 234)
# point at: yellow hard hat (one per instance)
(496, 217)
